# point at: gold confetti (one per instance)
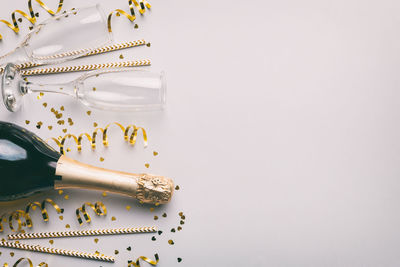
(50, 127)
(173, 230)
(121, 56)
(45, 104)
(180, 213)
(66, 197)
(136, 26)
(39, 124)
(151, 209)
(155, 153)
(88, 112)
(95, 124)
(179, 259)
(62, 108)
(96, 240)
(164, 215)
(51, 242)
(67, 226)
(104, 194)
(179, 228)
(116, 252)
(128, 208)
(60, 192)
(94, 89)
(27, 122)
(155, 217)
(153, 238)
(61, 217)
(177, 187)
(171, 242)
(113, 218)
(68, 149)
(64, 130)
(101, 159)
(148, 44)
(12, 254)
(147, 165)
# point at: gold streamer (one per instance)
(18, 214)
(140, 5)
(130, 138)
(42, 264)
(137, 263)
(99, 208)
(30, 17)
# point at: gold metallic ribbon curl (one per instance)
(131, 138)
(99, 208)
(31, 16)
(137, 263)
(42, 264)
(140, 5)
(18, 214)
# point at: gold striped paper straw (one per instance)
(101, 50)
(55, 251)
(136, 63)
(117, 231)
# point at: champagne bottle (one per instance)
(29, 165)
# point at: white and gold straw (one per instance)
(96, 51)
(62, 252)
(136, 63)
(117, 231)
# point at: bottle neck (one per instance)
(147, 188)
(75, 174)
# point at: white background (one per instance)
(281, 130)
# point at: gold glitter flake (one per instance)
(148, 44)
(51, 242)
(95, 124)
(155, 218)
(164, 215)
(67, 226)
(94, 89)
(116, 252)
(101, 159)
(27, 122)
(104, 194)
(61, 217)
(45, 104)
(128, 208)
(179, 228)
(171, 242)
(147, 165)
(136, 26)
(177, 187)
(113, 218)
(12, 254)
(50, 127)
(155, 153)
(66, 197)
(96, 240)
(65, 130)
(62, 108)
(121, 56)
(88, 112)
(60, 192)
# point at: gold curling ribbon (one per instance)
(18, 214)
(130, 138)
(99, 208)
(137, 263)
(42, 264)
(31, 17)
(140, 5)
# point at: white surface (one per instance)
(281, 129)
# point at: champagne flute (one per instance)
(63, 37)
(118, 89)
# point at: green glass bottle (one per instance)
(29, 165)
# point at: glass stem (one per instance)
(58, 88)
(16, 56)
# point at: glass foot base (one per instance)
(11, 88)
